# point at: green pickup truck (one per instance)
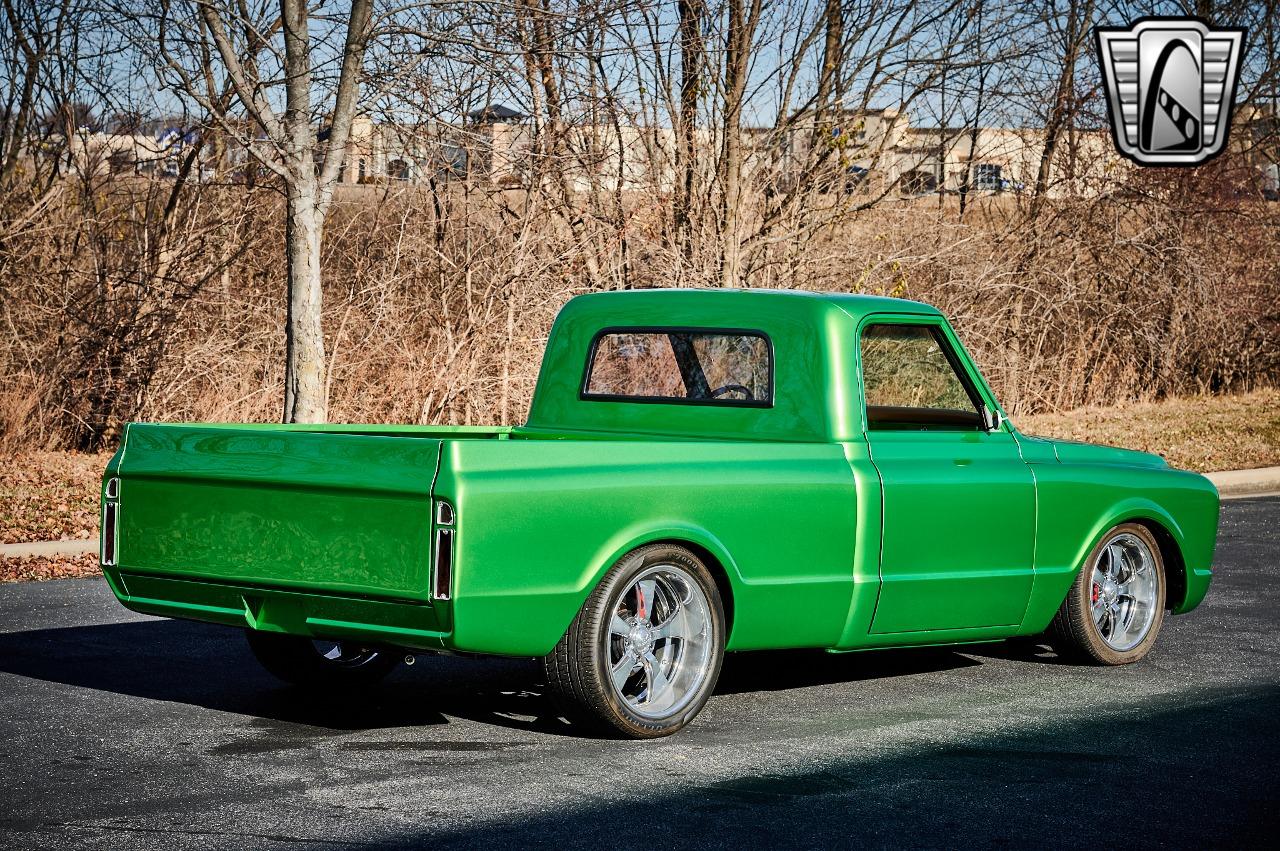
(701, 472)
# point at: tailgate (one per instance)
(328, 512)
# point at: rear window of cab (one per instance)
(689, 366)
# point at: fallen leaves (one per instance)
(50, 496)
(40, 568)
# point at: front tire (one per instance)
(1115, 607)
(643, 654)
(317, 664)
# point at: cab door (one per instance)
(958, 522)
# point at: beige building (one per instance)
(156, 151)
(384, 151)
(884, 150)
(877, 150)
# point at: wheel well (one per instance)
(718, 573)
(1175, 569)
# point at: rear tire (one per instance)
(643, 654)
(1115, 607)
(302, 661)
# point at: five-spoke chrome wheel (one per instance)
(658, 643)
(1124, 591)
(642, 657)
(1115, 607)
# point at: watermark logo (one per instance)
(1171, 83)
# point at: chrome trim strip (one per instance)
(442, 565)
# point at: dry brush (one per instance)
(438, 300)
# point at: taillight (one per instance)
(442, 568)
(110, 521)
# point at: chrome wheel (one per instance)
(319, 662)
(343, 655)
(659, 644)
(1125, 591)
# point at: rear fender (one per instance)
(638, 535)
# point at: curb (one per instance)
(1231, 484)
(1236, 484)
(49, 548)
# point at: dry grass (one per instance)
(52, 495)
(1201, 433)
(437, 304)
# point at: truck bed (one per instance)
(342, 509)
(330, 530)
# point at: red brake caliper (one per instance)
(1095, 593)
(640, 608)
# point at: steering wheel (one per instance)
(733, 388)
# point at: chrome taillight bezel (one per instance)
(442, 551)
(110, 543)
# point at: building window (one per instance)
(918, 182)
(399, 170)
(986, 176)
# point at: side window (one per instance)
(677, 365)
(910, 380)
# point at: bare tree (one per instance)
(975, 125)
(1072, 39)
(24, 53)
(827, 99)
(692, 16)
(739, 40)
(210, 47)
(38, 109)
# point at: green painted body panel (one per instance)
(965, 535)
(347, 513)
(821, 532)
(540, 522)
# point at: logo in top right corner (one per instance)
(1171, 83)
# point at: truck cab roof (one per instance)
(812, 340)
(727, 299)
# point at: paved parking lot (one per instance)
(123, 731)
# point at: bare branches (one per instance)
(345, 96)
(246, 89)
(433, 179)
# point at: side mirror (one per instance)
(991, 420)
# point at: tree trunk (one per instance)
(976, 127)
(737, 60)
(825, 105)
(692, 58)
(304, 369)
(304, 396)
(1062, 111)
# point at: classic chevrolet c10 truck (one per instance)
(701, 472)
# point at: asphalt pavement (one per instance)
(122, 731)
